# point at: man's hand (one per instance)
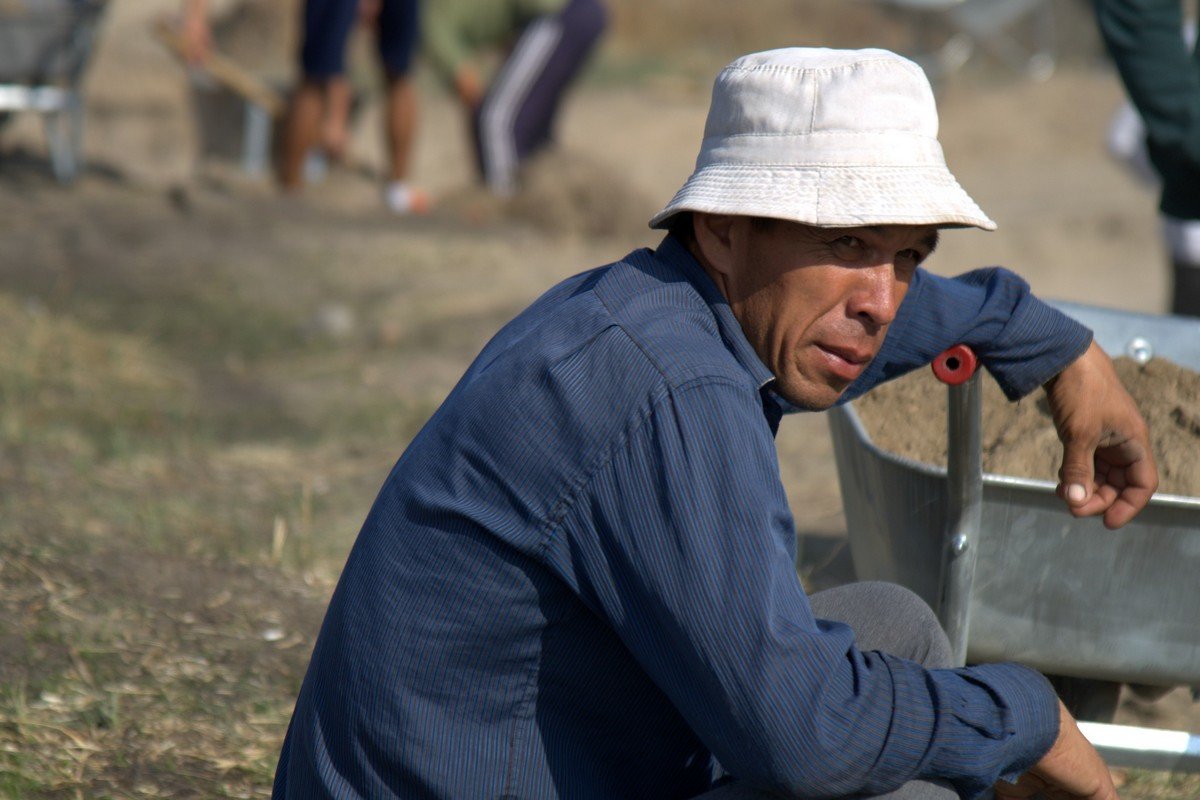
(195, 36)
(1107, 465)
(1072, 770)
(468, 87)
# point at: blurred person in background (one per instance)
(545, 43)
(1160, 69)
(319, 109)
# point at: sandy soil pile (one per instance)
(908, 417)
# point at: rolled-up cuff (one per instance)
(997, 722)
(1060, 341)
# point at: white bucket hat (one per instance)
(830, 138)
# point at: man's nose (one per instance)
(874, 298)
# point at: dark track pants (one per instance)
(517, 115)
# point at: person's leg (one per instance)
(884, 617)
(582, 23)
(518, 108)
(1185, 290)
(401, 124)
(398, 27)
(335, 128)
(301, 127)
(327, 23)
(887, 617)
(1182, 237)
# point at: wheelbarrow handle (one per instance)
(955, 365)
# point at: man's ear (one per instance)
(714, 240)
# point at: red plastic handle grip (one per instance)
(955, 365)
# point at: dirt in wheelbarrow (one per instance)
(908, 417)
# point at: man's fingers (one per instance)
(1077, 476)
(1133, 485)
(1128, 505)
(1099, 499)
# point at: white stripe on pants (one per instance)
(497, 117)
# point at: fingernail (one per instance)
(1076, 493)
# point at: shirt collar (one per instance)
(672, 252)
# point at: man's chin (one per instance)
(813, 398)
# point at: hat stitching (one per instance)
(838, 165)
(788, 68)
(812, 112)
(840, 132)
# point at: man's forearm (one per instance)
(195, 9)
(1021, 340)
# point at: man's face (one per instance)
(816, 303)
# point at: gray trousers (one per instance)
(884, 617)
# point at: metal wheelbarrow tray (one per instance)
(1063, 595)
(44, 48)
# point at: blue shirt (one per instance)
(578, 580)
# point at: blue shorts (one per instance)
(327, 25)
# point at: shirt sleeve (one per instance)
(1021, 340)
(1162, 77)
(535, 8)
(682, 543)
(443, 42)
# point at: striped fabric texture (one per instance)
(578, 580)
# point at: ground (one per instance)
(204, 384)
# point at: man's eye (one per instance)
(848, 246)
(911, 256)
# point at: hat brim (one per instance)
(829, 196)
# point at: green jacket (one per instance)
(455, 31)
(1162, 76)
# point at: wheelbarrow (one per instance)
(45, 46)
(1014, 577)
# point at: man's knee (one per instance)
(887, 617)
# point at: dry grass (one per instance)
(191, 430)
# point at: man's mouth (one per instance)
(846, 363)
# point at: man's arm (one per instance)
(1021, 340)
(195, 33)
(443, 43)
(682, 543)
(1107, 464)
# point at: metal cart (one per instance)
(44, 49)
(1015, 578)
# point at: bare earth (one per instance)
(206, 383)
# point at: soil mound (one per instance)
(561, 194)
(908, 417)
(565, 192)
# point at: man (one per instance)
(547, 42)
(579, 581)
(320, 105)
(1159, 68)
